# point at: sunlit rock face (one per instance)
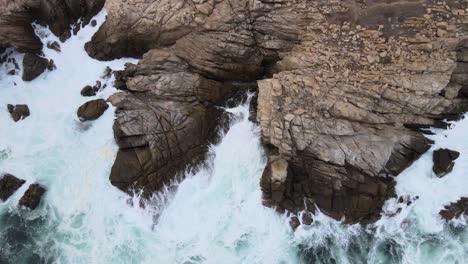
(345, 86)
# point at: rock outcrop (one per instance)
(16, 18)
(92, 110)
(455, 210)
(88, 91)
(347, 106)
(9, 184)
(18, 112)
(347, 88)
(33, 66)
(32, 196)
(165, 120)
(167, 116)
(444, 161)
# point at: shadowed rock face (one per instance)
(347, 88)
(444, 161)
(16, 18)
(165, 120)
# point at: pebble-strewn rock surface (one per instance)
(345, 89)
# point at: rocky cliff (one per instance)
(344, 111)
(16, 18)
(345, 90)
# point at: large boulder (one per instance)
(18, 112)
(32, 196)
(8, 186)
(444, 161)
(92, 110)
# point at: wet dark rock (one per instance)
(8, 185)
(455, 210)
(92, 110)
(307, 219)
(444, 161)
(76, 28)
(18, 112)
(97, 86)
(294, 222)
(51, 65)
(33, 66)
(88, 91)
(107, 73)
(11, 72)
(32, 197)
(65, 35)
(93, 23)
(54, 45)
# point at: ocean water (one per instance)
(215, 215)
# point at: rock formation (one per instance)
(455, 210)
(18, 112)
(32, 196)
(16, 18)
(444, 161)
(347, 88)
(165, 121)
(346, 106)
(9, 184)
(88, 91)
(33, 66)
(92, 110)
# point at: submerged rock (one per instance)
(444, 161)
(92, 110)
(33, 66)
(32, 196)
(18, 112)
(8, 186)
(455, 210)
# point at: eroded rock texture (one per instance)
(16, 18)
(346, 105)
(168, 115)
(165, 120)
(346, 88)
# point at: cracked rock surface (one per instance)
(345, 90)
